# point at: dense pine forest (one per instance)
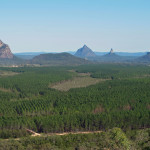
(27, 100)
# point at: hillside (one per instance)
(144, 59)
(58, 59)
(85, 52)
(15, 61)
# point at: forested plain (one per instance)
(28, 102)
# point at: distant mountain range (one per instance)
(28, 55)
(136, 54)
(87, 53)
(84, 55)
(33, 54)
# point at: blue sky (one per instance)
(66, 25)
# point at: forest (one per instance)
(27, 100)
(113, 139)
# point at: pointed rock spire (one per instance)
(111, 51)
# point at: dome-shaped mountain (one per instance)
(5, 51)
(58, 59)
(85, 52)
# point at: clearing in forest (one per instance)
(5, 90)
(7, 73)
(76, 82)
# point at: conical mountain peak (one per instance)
(85, 52)
(85, 46)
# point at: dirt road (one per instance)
(64, 133)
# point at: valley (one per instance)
(60, 101)
(75, 75)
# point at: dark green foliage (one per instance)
(5, 134)
(33, 81)
(114, 139)
(140, 138)
(117, 71)
(122, 102)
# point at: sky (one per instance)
(66, 25)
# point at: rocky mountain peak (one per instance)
(5, 51)
(85, 52)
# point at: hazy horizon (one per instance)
(63, 25)
(107, 51)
